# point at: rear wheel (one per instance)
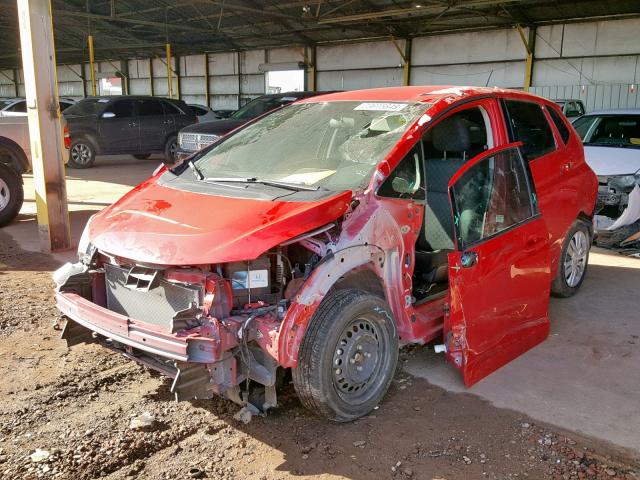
(142, 156)
(82, 154)
(11, 194)
(348, 356)
(574, 259)
(171, 150)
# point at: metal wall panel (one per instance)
(468, 47)
(358, 56)
(501, 74)
(594, 97)
(355, 79)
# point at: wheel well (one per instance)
(13, 156)
(588, 220)
(361, 279)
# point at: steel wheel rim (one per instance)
(357, 358)
(80, 153)
(5, 194)
(575, 260)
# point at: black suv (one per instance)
(196, 137)
(136, 125)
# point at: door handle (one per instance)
(567, 166)
(468, 259)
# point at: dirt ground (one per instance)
(76, 406)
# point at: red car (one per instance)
(323, 236)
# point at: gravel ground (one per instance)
(70, 414)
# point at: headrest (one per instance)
(613, 128)
(452, 135)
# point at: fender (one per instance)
(316, 287)
(19, 162)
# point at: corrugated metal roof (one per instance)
(139, 28)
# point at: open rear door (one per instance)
(499, 274)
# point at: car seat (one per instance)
(451, 139)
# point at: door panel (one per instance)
(153, 125)
(499, 274)
(118, 128)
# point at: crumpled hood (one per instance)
(608, 161)
(160, 225)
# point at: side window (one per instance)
(560, 125)
(150, 107)
(407, 179)
(121, 109)
(493, 195)
(197, 110)
(527, 124)
(18, 107)
(171, 109)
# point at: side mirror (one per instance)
(108, 115)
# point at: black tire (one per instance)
(171, 150)
(352, 335)
(564, 285)
(11, 195)
(141, 156)
(82, 154)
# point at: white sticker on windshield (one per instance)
(381, 107)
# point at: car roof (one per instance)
(424, 94)
(615, 111)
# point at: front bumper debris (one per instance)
(202, 344)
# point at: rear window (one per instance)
(527, 124)
(90, 106)
(560, 125)
(171, 109)
(150, 107)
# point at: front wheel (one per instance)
(574, 259)
(11, 194)
(171, 150)
(348, 356)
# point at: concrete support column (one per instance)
(41, 88)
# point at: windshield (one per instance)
(333, 145)
(90, 106)
(609, 130)
(261, 105)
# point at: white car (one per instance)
(17, 107)
(611, 141)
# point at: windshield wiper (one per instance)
(194, 168)
(294, 187)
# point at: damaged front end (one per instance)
(617, 212)
(212, 328)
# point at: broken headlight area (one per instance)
(613, 198)
(213, 329)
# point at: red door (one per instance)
(499, 273)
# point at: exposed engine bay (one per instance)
(237, 305)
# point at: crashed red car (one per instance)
(322, 237)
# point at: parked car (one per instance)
(611, 141)
(196, 137)
(18, 106)
(137, 125)
(322, 236)
(15, 159)
(571, 108)
(204, 113)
